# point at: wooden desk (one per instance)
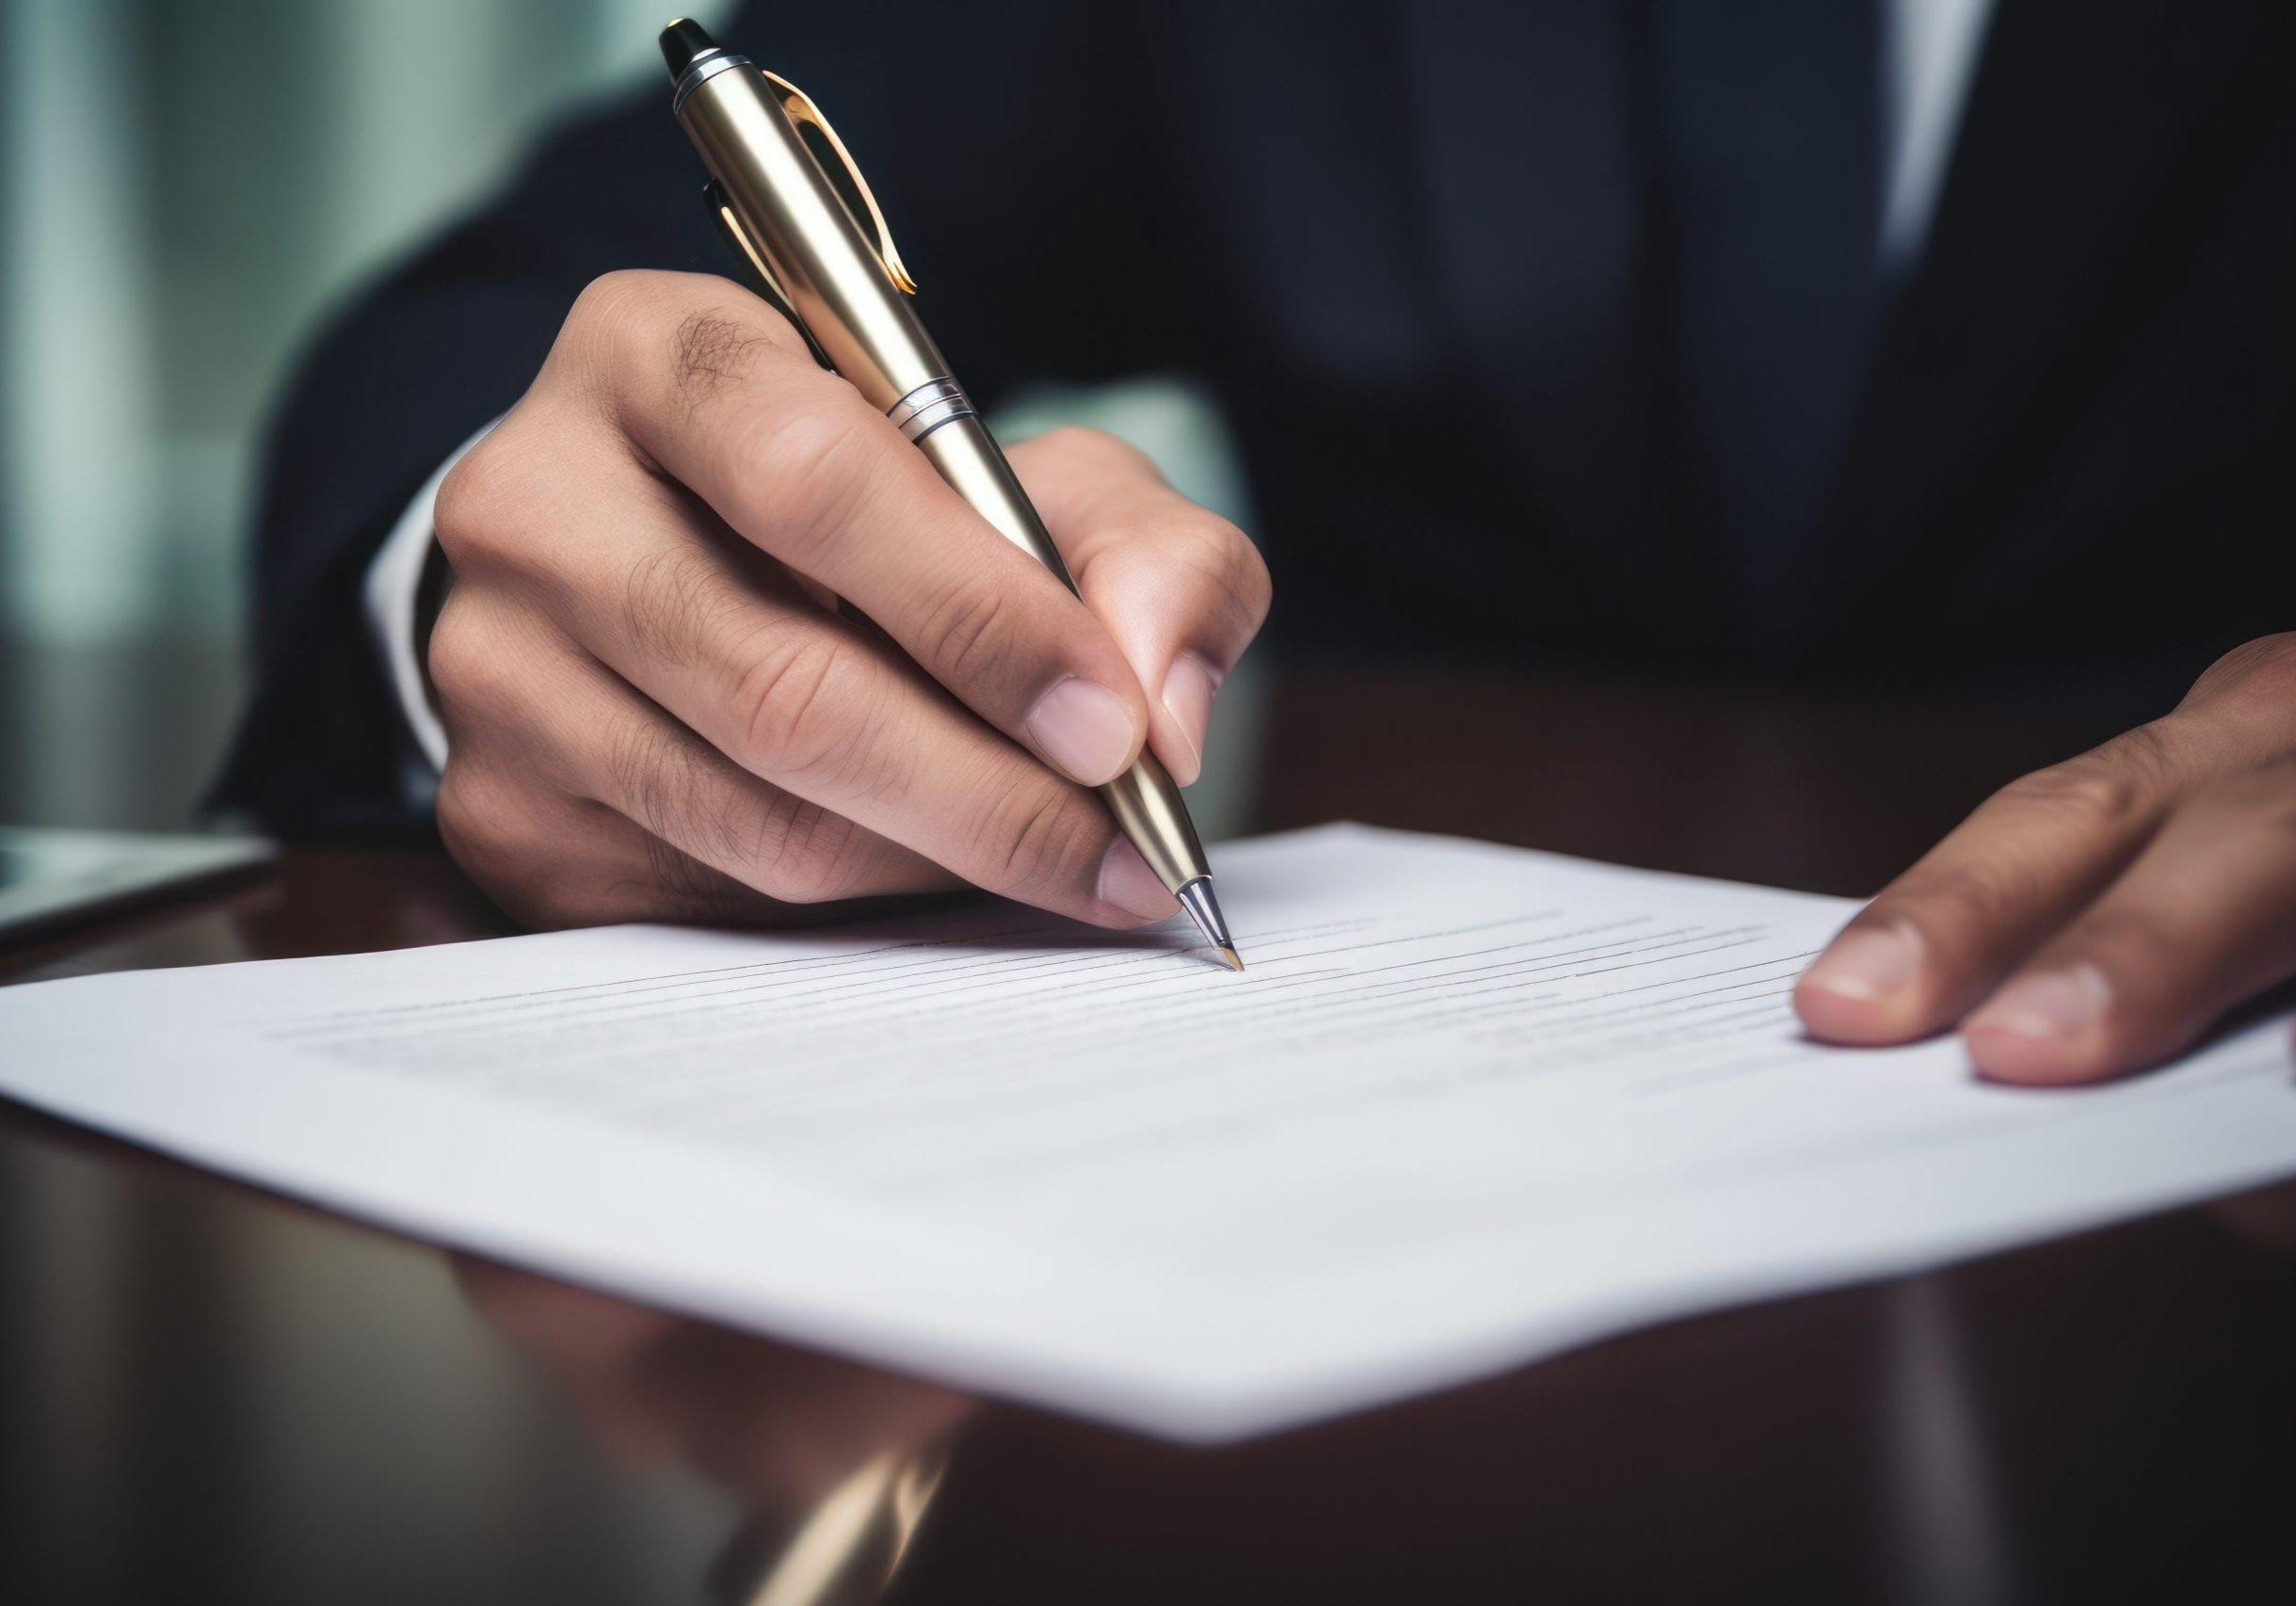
(207, 1393)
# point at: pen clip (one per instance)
(801, 109)
(737, 240)
(744, 248)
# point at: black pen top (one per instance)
(684, 40)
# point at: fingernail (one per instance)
(2055, 1004)
(1187, 696)
(1127, 882)
(1083, 727)
(1873, 963)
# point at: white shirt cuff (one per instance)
(394, 584)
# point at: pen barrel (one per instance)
(835, 283)
(829, 271)
(1145, 799)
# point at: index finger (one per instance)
(725, 398)
(1939, 937)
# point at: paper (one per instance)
(1468, 1107)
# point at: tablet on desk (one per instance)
(50, 877)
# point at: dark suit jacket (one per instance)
(1417, 252)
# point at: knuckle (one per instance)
(2153, 758)
(663, 783)
(448, 654)
(1213, 548)
(681, 887)
(712, 331)
(673, 601)
(2261, 798)
(793, 697)
(1949, 895)
(1032, 840)
(968, 634)
(809, 428)
(480, 823)
(610, 291)
(2263, 668)
(2132, 940)
(805, 451)
(813, 856)
(1214, 560)
(1248, 581)
(496, 828)
(715, 350)
(2092, 789)
(454, 809)
(466, 668)
(479, 502)
(607, 319)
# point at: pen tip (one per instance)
(1204, 912)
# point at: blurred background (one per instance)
(189, 185)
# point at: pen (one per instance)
(850, 293)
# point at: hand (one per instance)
(2096, 917)
(655, 710)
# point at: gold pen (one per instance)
(849, 292)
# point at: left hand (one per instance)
(2095, 916)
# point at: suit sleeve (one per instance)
(996, 198)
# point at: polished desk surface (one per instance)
(207, 1393)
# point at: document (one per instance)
(1470, 1105)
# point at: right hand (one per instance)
(654, 711)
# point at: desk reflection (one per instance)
(1898, 1443)
(863, 1485)
(839, 1463)
(209, 1393)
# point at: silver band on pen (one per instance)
(703, 68)
(929, 405)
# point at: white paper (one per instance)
(1468, 1105)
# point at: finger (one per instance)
(782, 694)
(548, 859)
(855, 741)
(1182, 590)
(725, 398)
(595, 738)
(624, 751)
(552, 860)
(544, 742)
(2204, 919)
(1943, 934)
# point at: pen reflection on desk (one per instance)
(847, 289)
